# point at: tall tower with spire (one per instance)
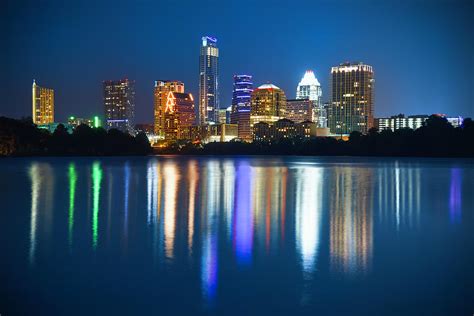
(208, 81)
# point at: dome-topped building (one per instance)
(268, 104)
(268, 86)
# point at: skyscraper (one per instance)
(119, 104)
(310, 88)
(240, 113)
(208, 81)
(179, 115)
(268, 104)
(42, 105)
(352, 102)
(161, 92)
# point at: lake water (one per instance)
(248, 235)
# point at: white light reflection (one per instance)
(193, 178)
(36, 180)
(308, 216)
(171, 178)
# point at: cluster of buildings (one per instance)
(412, 121)
(262, 113)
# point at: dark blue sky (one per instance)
(422, 51)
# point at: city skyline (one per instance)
(414, 57)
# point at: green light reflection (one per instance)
(72, 193)
(96, 180)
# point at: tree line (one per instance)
(436, 138)
(23, 138)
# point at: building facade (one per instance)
(179, 114)
(352, 100)
(240, 113)
(300, 110)
(75, 121)
(283, 129)
(42, 105)
(412, 121)
(223, 116)
(211, 133)
(267, 104)
(119, 104)
(208, 81)
(400, 121)
(310, 88)
(160, 98)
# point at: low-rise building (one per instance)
(212, 133)
(283, 129)
(74, 121)
(412, 121)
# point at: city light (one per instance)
(96, 183)
(96, 122)
(72, 175)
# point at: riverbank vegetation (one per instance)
(23, 138)
(437, 138)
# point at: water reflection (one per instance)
(399, 194)
(243, 219)
(269, 186)
(72, 175)
(308, 208)
(210, 202)
(96, 182)
(209, 216)
(42, 191)
(193, 178)
(351, 220)
(455, 195)
(171, 177)
(125, 202)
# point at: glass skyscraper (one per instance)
(119, 104)
(161, 92)
(310, 88)
(352, 101)
(208, 82)
(240, 112)
(42, 104)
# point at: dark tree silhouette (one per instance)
(22, 137)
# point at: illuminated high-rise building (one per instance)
(240, 113)
(179, 114)
(309, 88)
(42, 105)
(119, 104)
(267, 104)
(300, 110)
(208, 81)
(161, 92)
(352, 101)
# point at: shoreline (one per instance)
(239, 155)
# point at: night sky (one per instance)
(422, 51)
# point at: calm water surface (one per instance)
(204, 235)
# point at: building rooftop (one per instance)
(309, 79)
(268, 86)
